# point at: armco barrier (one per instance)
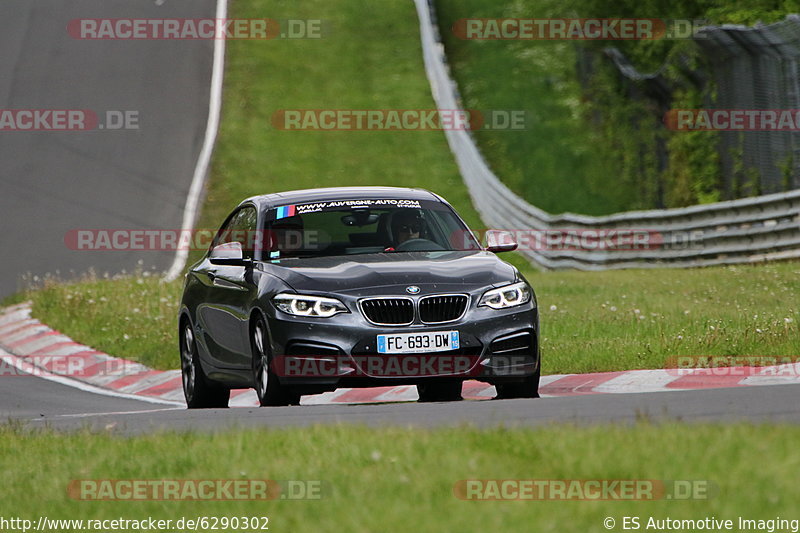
(737, 231)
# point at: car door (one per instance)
(230, 289)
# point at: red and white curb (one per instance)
(29, 347)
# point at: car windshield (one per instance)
(350, 227)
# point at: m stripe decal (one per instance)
(285, 211)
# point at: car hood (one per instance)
(369, 273)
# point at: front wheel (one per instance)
(529, 388)
(197, 389)
(269, 390)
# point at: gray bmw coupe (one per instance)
(307, 291)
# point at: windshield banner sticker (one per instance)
(353, 204)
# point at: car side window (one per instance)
(241, 228)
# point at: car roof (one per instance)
(340, 193)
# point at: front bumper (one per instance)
(496, 346)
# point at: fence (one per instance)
(738, 231)
(757, 68)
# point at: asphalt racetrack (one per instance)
(39, 403)
(53, 182)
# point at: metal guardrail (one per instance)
(738, 231)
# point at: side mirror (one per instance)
(500, 241)
(229, 253)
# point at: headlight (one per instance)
(508, 296)
(307, 305)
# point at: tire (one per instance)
(199, 392)
(448, 391)
(524, 389)
(269, 390)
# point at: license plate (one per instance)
(435, 341)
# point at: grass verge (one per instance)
(595, 143)
(395, 479)
(594, 326)
(370, 58)
(591, 321)
(558, 162)
(622, 320)
(132, 317)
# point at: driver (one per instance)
(407, 225)
(286, 236)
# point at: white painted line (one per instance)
(19, 364)
(201, 169)
(89, 415)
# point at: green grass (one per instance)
(558, 163)
(370, 59)
(133, 317)
(395, 479)
(623, 320)
(595, 326)
(593, 141)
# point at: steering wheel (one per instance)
(418, 245)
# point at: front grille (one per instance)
(446, 308)
(388, 311)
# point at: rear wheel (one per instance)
(448, 391)
(197, 389)
(529, 388)
(269, 390)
